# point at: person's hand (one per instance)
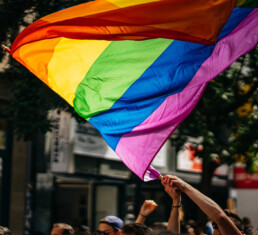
(148, 207)
(173, 181)
(174, 193)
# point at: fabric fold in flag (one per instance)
(135, 92)
(196, 21)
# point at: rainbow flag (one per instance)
(135, 92)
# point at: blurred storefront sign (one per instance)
(60, 148)
(188, 161)
(88, 141)
(72, 141)
(243, 179)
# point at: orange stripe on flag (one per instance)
(36, 56)
(126, 3)
(89, 8)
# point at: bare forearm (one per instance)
(174, 221)
(208, 206)
(147, 208)
(212, 210)
(227, 227)
(140, 219)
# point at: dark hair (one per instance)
(136, 229)
(67, 229)
(246, 220)
(239, 223)
(163, 233)
(159, 226)
(83, 230)
(5, 231)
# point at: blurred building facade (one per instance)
(71, 175)
(83, 179)
(13, 170)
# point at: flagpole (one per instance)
(7, 49)
(178, 190)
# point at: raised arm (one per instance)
(147, 208)
(174, 219)
(208, 206)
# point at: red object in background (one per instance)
(243, 179)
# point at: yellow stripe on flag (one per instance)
(70, 63)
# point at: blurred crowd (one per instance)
(220, 222)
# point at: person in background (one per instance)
(248, 227)
(110, 225)
(198, 228)
(5, 231)
(222, 223)
(159, 226)
(82, 230)
(163, 233)
(238, 222)
(135, 229)
(186, 228)
(62, 229)
(147, 208)
(129, 217)
(208, 227)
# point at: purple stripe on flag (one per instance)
(229, 49)
(157, 128)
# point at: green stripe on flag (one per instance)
(115, 70)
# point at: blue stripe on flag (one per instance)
(168, 75)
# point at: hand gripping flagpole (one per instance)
(177, 189)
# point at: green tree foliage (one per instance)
(227, 117)
(31, 100)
